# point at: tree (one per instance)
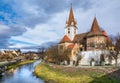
(117, 44)
(79, 57)
(114, 45)
(117, 48)
(102, 59)
(1, 57)
(41, 52)
(66, 55)
(52, 55)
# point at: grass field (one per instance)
(61, 74)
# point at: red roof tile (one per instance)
(108, 40)
(71, 46)
(107, 37)
(105, 33)
(65, 39)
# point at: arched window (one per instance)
(68, 32)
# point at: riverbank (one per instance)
(21, 74)
(19, 64)
(62, 74)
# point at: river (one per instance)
(22, 74)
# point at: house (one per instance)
(94, 40)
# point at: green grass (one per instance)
(61, 74)
(20, 64)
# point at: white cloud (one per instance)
(107, 15)
(53, 29)
(50, 31)
(46, 21)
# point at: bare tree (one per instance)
(79, 57)
(116, 44)
(102, 59)
(52, 55)
(117, 47)
(66, 55)
(41, 52)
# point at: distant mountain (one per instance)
(45, 45)
(35, 48)
(48, 44)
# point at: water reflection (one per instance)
(22, 74)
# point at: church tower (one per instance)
(71, 28)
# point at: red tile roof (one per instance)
(107, 37)
(105, 33)
(71, 46)
(65, 39)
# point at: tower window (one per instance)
(68, 32)
(74, 31)
(68, 28)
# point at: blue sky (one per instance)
(34, 22)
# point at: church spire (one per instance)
(71, 29)
(71, 20)
(95, 27)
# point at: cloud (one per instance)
(107, 16)
(36, 11)
(6, 32)
(39, 21)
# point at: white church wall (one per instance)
(88, 55)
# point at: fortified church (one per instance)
(95, 39)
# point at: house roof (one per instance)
(65, 39)
(71, 18)
(71, 46)
(95, 27)
(94, 34)
(105, 33)
(108, 40)
(79, 37)
(107, 37)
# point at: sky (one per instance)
(25, 23)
